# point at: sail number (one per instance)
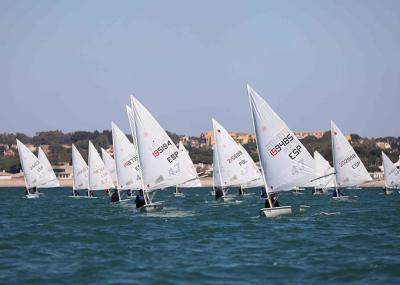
(284, 142)
(233, 157)
(159, 150)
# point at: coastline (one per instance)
(18, 182)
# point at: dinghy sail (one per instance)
(126, 161)
(159, 157)
(235, 166)
(35, 174)
(188, 163)
(99, 176)
(80, 172)
(325, 172)
(391, 173)
(349, 169)
(53, 181)
(109, 162)
(285, 162)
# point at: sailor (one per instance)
(241, 191)
(26, 192)
(115, 196)
(384, 190)
(263, 192)
(140, 201)
(275, 201)
(76, 193)
(218, 193)
(337, 193)
(129, 193)
(91, 193)
(107, 192)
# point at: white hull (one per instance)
(388, 192)
(226, 199)
(341, 198)
(282, 211)
(32, 196)
(152, 207)
(77, 196)
(297, 192)
(178, 194)
(246, 194)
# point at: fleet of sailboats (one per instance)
(152, 162)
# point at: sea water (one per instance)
(195, 240)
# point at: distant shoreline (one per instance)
(206, 181)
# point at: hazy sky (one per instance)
(71, 65)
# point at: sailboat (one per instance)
(391, 174)
(36, 175)
(326, 174)
(109, 162)
(285, 162)
(349, 169)
(159, 158)
(99, 176)
(187, 161)
(80, 173)
(126, 161)
(234, 165)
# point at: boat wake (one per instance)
(171, 213)
(327, 213)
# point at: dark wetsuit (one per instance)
(263, 193)
(218, 193)
(139, 201)
(337, 193)
(114, 197)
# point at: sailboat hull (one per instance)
(179, 195)
(32, 196)
(152, 207)
(225, 199)
(282, 211)
(341, 198)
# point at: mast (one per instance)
(134, 139)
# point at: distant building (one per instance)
(242, 138)
(8, 153)
(383, 145)
(5, 175)
(63, 171)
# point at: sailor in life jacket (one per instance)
(218, 193)
(140, 200)
(115, 196)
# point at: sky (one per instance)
(71, 65)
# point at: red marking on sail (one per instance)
(219, 131)
(264, 129)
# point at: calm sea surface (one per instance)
(194, 240)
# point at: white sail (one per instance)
(35, 174)
(217, 180)
(109, 162)
(391, 172)
(324, 171)
(235, 165)
(158, 155)
(52, 179)
(99, 176)
(285, 162)
(80, 170)
(126, 160)
(349, 169)
(188, 163)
